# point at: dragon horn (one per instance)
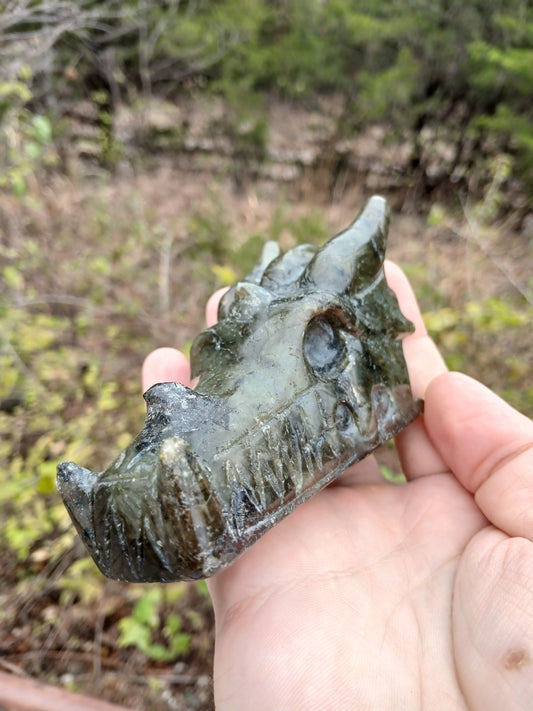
(351, 259)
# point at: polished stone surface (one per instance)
(303, 375)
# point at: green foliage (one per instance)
(437, 215)
(51, 405)
(210, 232)
(509, 68)
(499, 169)
(390, 93)
(502, 73)
(148, 620)
(82, 581)
(518, 134)
(463, 70)
(25, 137)
(110, 149)
(310, 227)
(239, 254)
(410, 65)
(37, 393)
(474, 340)
(302, 52)
(218, 249)
(78, 294)
(245, 255)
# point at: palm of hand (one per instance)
(348, 602)
(380, 596)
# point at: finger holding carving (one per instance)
(417, 453)
(422, 355)
(211, 308)
(489, 447)
(165, 365)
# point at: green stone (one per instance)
(303, 375)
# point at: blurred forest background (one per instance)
(147, 150)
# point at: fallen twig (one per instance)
(18, 694)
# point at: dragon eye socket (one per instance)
(324, 347)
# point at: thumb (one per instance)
(488, 446)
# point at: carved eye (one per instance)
(324, 347)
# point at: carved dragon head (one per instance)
(302, 375)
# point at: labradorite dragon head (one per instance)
(303, 375)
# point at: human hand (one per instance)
(374, 595)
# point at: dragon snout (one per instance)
(75, 485)
(161, 521)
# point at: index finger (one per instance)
(416, 451)
(424, 361)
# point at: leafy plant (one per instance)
(473, 339)
(148, 621)
(26, 137)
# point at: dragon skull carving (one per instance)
(303, 375)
